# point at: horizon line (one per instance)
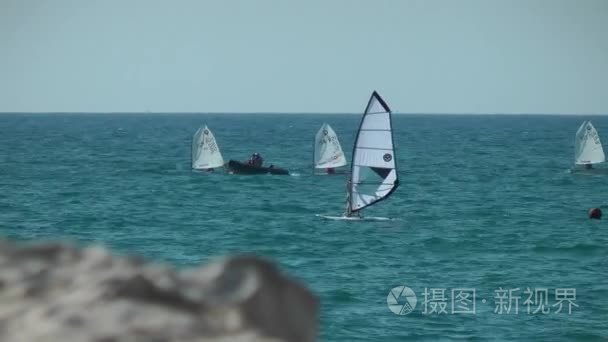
(297, 113)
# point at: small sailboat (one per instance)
(206, 154)
(373, 176)
(587, 146)
(328, 152)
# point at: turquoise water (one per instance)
(485, 202)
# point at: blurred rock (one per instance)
(55, 292)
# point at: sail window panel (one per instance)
(370, 185)
(365, 193)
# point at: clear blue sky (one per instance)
(442, 56)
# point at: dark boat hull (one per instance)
(238, 167)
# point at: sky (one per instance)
(326, 56)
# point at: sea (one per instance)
(488, 238)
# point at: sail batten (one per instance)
(587, 145)
(374, 113)
(373, 148)
(364, 183)
(327, 149)
(373, 170)
(205, 151)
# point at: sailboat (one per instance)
(373, 177)
(328, 152)
(587, 146)
(206, 154)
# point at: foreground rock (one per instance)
(53, 292)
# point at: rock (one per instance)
(55, 292)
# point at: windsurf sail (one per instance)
(587, 146)
(373, 168)
(205, 151)
(327, 150)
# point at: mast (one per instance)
(194, 140)
(314, 146)
(349, 193)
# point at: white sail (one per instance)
(328, 152)
(205, 151)
(374, 170)
(587, 145)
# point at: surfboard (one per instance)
(355, 218)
